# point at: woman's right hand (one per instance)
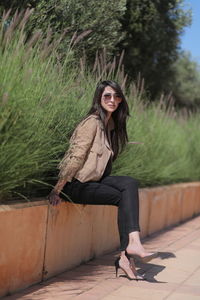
(54, 198)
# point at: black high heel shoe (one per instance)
(117, 266)
(143, 259)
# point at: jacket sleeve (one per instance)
(80, 143)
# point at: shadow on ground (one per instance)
(151, 270)
(84, 276)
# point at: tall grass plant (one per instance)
(168, 151)
(43, 98)
(40, 103)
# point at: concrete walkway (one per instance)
(174, 275)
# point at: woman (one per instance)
(86, 166)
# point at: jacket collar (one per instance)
(111, 124)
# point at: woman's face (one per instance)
(110, 100)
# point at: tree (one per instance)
(152, 30)
(186, 86)
(149, 32)
(100, 23)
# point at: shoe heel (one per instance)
(117, 266)
(116, 271)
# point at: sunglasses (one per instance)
(108, 96)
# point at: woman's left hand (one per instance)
(54, 198)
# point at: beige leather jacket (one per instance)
(88, 153)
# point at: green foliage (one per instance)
(98, 22)
(42, 100)
(40, 103)
(168, 151)
(17, 5)
(149, 32)
(152, 30)
(186, 83)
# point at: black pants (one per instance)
(121, 191)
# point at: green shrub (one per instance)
(38, 108)
(169, 149)
(42, 100)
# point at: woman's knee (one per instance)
(128, 180)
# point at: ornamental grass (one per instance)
(43, 96)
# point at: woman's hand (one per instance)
(54, 198)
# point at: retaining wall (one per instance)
(38, 241)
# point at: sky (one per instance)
(190, 39)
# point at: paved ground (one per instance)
(174, 275)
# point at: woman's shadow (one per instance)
(151, 270)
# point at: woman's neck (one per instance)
(107, 118)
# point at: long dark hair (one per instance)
(119, 137)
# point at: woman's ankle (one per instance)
(134, 239)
